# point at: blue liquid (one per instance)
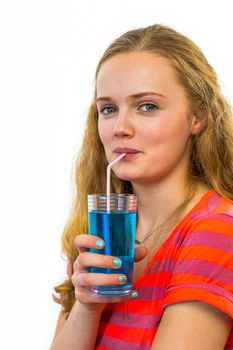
(117, 229)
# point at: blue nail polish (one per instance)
(122, 279)
(99, 243)
(134, 294)
(117, 262)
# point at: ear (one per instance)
(198, 121)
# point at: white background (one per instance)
(49, 51)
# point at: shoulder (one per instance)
(202, 275)
(209, 233)
(213, 215)
(213, 204)
(218, 205)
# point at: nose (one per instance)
(123, 125)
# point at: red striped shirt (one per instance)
(194, 263)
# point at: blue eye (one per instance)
(147, 107)
(107, 110)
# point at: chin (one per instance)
(126, 176)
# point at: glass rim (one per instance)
(112, 195)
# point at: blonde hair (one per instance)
(211, 159)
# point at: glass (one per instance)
(117, 227)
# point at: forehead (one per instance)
(135, 71)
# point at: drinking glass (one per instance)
(113, 218)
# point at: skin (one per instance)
(166, 121)
(160, 127)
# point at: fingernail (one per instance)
(122, 279)
(99, 243)
(117, 262)
(134, 294)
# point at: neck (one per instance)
(156, 202)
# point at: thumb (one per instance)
(140, 253)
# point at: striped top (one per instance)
(194, 263)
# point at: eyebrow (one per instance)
(141, 94)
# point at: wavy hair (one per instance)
(211, 158)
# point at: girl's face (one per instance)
(143, 110)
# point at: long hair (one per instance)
(211, 158)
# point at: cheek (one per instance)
(154, 133)
(166, 134)
(176, 123)
(104, 133)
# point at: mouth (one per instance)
(129, 152)
(126, 150)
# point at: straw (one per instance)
(106, 222)
(109, 178)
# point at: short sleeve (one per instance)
(203, 269)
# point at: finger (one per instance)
(99, 279)
(84, 241)
(85, 295)
(140, 253)
(87, 259)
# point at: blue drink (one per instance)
(117, 228)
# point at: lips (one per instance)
(130, 153)
(126, 150)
